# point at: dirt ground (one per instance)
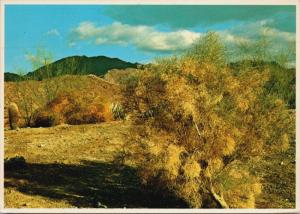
(72, 166)
(278, 175)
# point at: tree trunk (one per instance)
(219, 199)
(198, 131)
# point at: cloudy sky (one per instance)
(134, 33)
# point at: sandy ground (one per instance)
(72, 166)
(50, 148)
(65, 143)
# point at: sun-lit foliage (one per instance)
(203, 123)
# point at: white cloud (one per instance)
(53, 32)
(278, 35)
(254, 30)
(143, 37)
(230, 38)
(150, 39)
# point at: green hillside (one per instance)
(11, 77)
(78, 65)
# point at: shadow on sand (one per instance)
(91, 184)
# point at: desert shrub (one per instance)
(54, 112)
(32, 94)
(43, 58)
(214, 52)
(80, 110)
(117, 111)
(66, 109)
(86, 116)
(64, 104)
(45, 118)
(25, 93)
(107, 113)
(282, 83)
(118, 76)
(209, 124)
(261, 54)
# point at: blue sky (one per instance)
(133, 33)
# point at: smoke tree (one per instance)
(201, 126)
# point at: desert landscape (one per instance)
(210, 127)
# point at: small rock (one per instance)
(40, 145)
(281, 163)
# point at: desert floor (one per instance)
(73, 166)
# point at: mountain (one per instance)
(77, 65)
(11, 77)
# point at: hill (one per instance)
(77, 65)
(11, 77)
(30, 95)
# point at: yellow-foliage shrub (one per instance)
(65, 109)
(209, 123)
